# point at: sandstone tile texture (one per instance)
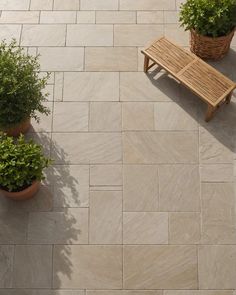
(140, 199)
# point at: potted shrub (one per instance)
(21, 167)
(211, 24)
(21, 88)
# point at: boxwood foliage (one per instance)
(21, 86)
(21, 162)
(213, 18)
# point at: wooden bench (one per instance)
(202, 79)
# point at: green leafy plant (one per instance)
(21, 163)
(212, 18)
(21, 86)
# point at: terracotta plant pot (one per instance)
(18, 129)
(209, 47)
(25, 194)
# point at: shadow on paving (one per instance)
(223, 125)
(39, 224)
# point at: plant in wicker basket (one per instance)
(21, 96)
(212, 25)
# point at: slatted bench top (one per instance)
(205, 81)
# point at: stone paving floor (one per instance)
(140, 200)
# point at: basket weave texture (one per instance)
(210, 48)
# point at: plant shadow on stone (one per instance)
(39, 221)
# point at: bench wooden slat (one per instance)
(202, 79)
(209, 85)
(170, 56)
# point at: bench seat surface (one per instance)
(201, 78)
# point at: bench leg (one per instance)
(210, 113)
(146, 64)
(228, 98)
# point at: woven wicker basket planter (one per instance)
(210, 48)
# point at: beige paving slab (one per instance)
(105, 116)
(147, 5)
(171, 17)
(115, 17)
(91, 86)
(150, 17)
(171, 116)
(88, 148)
(138, 86)
(105, 218)
(67, 227)
(43, 35)
(14, 5)
(71, 185)
(111, 59)
(33, 52)
(58, 86)
(58, 17)
(13, 227)
(9, 32)
(217, 173)
(61, 58)
(41, 292)
(23, 17)
(6, 266)
(179, 187)
(70, 116)
(141, 59)
(145, 228)
(90, 267)
(198, 292)
(184, 228)
(140, 188)
(218, 213)
(41, 4)
(106, 175)
(176, 34)
(123, 292)
(160, 147)
(99, 5)
(137, 116)
(86, 17)
(29, 262)
(68, 292)
(160, 267)
(112, 188)
(89, 35)
(136, 35)
(49, 90)
(66, 5)
(42, 74)
(234, 41)
(215, 147)
(217, 267)
(45, 123)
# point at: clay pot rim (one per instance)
(19, 194)
(215, 38)
(26, 120)
(16, 130)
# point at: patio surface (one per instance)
(140, 199)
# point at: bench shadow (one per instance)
(223, 125)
